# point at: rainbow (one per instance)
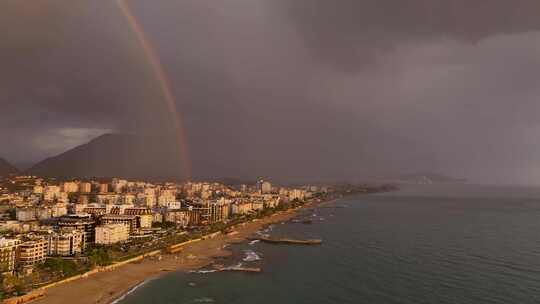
(163, 81)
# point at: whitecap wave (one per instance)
(204, 300)
(132, 290)
(251, 256)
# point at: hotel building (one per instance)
(112, 233)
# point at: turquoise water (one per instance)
(428, 244)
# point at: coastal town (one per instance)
(55, 229)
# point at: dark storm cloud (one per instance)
(349, 33)
(287, 89)
(73, 58)
(68, 66)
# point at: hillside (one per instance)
(428, 178)
(6, 168)
(122, 155)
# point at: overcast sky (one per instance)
(285, 88)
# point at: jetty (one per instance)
(288, 241)
(241, 269)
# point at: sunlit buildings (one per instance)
(241, 208)
(51, 193)
(103, 188)
(128, 220)
(81, 222)
(85, 187)
(8, 254)
(70, 187)
(144, 216)
(266, 187)
(32, 252)
(119, 185)
(66, 242)
(111, 233)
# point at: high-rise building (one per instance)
(59, 209)
(85, 187)
(66, 242)
(144, 216)
(51, 192)
(119, 185)
(70, 187)
(103, 188)
(8, 254)
(25, 214)
(259, 184)
(297, 194)
(266, 187)
(32, 252)
(128, 220)
(112, 233)
(263, 186)
(38, 189)
(219, 210)
(83, 223)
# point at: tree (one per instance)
(65, 267)
(13, 283)
(99, 256)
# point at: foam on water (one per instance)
(251, 256)
(132, 290)
(204, 300)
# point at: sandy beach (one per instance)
(106, 287)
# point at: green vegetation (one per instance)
(163, 225)
(61, 267)
(99, 256)
(12, 285)
(12, 214)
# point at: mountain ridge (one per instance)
(116, 154)
(7, 168)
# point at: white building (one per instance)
(65, 243)
(8, 254)
(111, 233)
(266, 187)
(50, 193)
(70, 187)
(119, 185)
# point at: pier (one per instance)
(241, 269)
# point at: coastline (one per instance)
(112, 286)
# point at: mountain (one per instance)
(120, 155)
(427, 178)
(6, 168)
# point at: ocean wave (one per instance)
(204, 300)
(254, 242)
(132, 290)
(267, 230)
(239, 265)
(251, 256)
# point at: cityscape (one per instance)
(52, 230)
(269, 152)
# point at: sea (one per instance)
(421, 244)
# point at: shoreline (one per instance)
(111, 287)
